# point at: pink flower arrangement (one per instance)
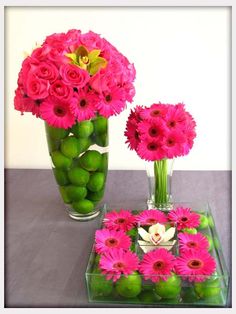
(150, 217)
(160, 131)
(117, 257)
(106, 240)
(117, 262)
(157, 265)
(184, 218)
(73, 77)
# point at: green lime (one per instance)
(64, 195)
(56, 133)
(60, 161)
(83, 129)
(104, 163)
(83, 206)
(210, 241)
(96, 260)
(100, 125)
(83, 144)
(69, 147)
(130, 286)
(209, 288)
(95, 196)
(170, 288)
(96, 181)
(101, 139)
(60, 176)
(76, 193)
(203, 222)
(175, 300)
(53, 144)
(189, 230)
(78, 176)
(91, 160)
(99, 285)
(211, 221)
(148, 297)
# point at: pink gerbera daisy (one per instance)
(154, 112)
(132, 134)
(151, 150)
(111, 102)
(57, 114)
(83, 105)
(175, 116)
(173, 143)
(195, 265)
(157, 265)
(184, 218)
(107, 240)
(189, 241)
(151, 130)
(151, 217)
(119, 220)
(117, 262)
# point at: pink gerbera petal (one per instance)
(195, 265)
(151, 217)
(57, 114)
(119, 220)
(83, 105)
(195, 242)
(151, 150)
(184, 218)
(154, 112)
(152, 130)
(106, 240)
(157, 265)
(117, 262)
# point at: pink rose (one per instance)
(55, 39)
(41, 53)
(36, 88)
(45, 70)
(61, 91)
(91, 40)
(74, 76)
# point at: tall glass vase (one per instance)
(80, 162)
(159, 174)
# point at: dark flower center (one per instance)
(155, 113)
(111, 242)
(120, 220)
(171, 124)
(170, 142)
(118, 265)
(192, 244)
(136, 135)
(108, 98)
(158, 265)
(184, 219)
(75, 89)
(153, 132)
(82, 103)
(195, 264)
(38, 102)
(151, 221)
(152, 146)
(59, 111)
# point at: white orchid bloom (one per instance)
(156, 236)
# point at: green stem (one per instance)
(161, 187)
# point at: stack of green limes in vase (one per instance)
(80, 163)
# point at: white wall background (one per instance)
(180, 54)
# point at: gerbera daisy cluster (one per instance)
(113, 244)
(160, 131)
(72, 77)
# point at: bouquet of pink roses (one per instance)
(72, 77)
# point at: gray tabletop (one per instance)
(46, 252)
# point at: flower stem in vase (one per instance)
(161, 183)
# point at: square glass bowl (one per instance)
(212, 292)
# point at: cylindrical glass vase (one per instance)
(80, 162)
(159, 174)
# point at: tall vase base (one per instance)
(165, 207)
(83, 217)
